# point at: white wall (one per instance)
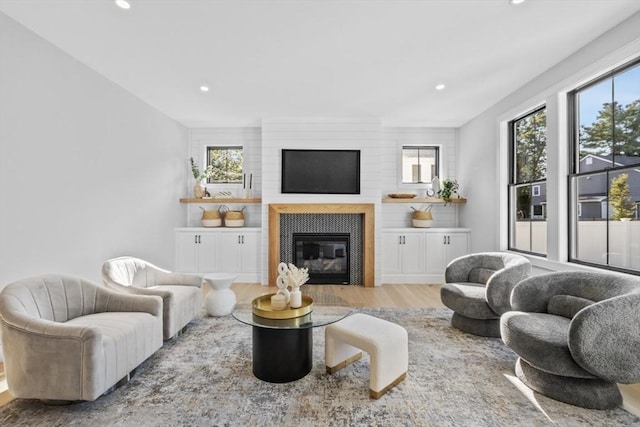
(87, 171)
(250, 138)
(483, 141)
(321, 133)
(399, 214)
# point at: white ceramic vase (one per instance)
(198, 190)
(295, 300)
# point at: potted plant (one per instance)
(199, 189)
(449, 186)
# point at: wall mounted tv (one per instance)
(321, 171)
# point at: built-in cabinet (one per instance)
(212, 250)
(420, 255)
(443, 247)
(402, 252)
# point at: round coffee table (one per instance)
(220, 300)
(283, 348)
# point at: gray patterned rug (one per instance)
(203, 378)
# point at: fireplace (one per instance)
(311, 218)
(325, 255)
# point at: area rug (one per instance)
(204, 378)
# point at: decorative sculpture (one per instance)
(293, 277)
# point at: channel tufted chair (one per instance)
(577, 335)
(478, 287)
(181, 293)
(68, 339)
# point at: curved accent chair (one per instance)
(181, 293)
(478, 287)
(577, 334)
(68, 339)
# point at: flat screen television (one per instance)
(321, 171)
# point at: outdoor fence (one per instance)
(624, 241)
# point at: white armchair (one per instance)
(68, 339)
(181, 293)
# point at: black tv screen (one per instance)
(321, 171)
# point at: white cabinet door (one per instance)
(250, 252)
(457, 245)
(229, 258)
(391, 250)
(436, 256)
(412, 253)
(187, 252)
(444, 247)
(208, 251)
(195, 252)
(402, 253)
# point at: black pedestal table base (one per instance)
(282, 355)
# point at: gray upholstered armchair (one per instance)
(181, 293)
(478, 287)
(68, 339)
(577, 335)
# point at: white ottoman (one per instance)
(220, 300)
(385, 342)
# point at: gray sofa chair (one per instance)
(577, 334)
(181, 293)
(67, 339)
(478, 287)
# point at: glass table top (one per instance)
(321, 315)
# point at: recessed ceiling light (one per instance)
(516, 1)
(440, 86)
(204, 88)
(124, 4)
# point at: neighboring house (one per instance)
(539, 201)
(593, 202)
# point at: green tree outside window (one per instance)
(226, 163)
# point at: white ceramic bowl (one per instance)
(422, 223)
(234, 222)
(211, 222)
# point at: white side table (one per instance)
(220, 300)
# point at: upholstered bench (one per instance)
(385, 342)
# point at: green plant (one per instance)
(199, 176)
(449, 186)
(619, 198)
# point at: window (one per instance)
(605, 171)
(527, 184)
(227, 164)
(420, 164)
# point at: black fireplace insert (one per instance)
(325, 255)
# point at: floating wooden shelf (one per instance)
(221, 200)
(423, 200)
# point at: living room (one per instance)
(91, 170)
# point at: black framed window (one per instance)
(420, 163)
(227, 164)
(605, 171)
(528, 183)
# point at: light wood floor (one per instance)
(394, 296)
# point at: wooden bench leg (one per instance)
(344, 363)
(379, 394)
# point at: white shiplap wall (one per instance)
(324, 133)
(250, 140)
(380, 156)
(392, 140)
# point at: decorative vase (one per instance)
(198, 190)
(296, 299)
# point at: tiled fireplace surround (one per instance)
(356, 219)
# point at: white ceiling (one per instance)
(314, 58)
